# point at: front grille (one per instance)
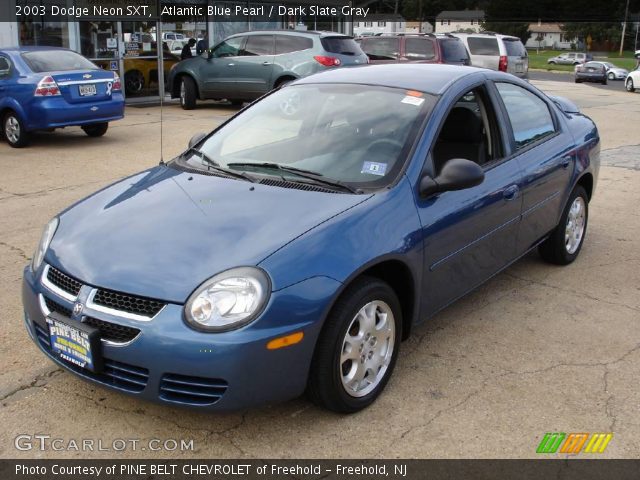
(53, 306)
(191, 390)
(145, 307)
(112, 331)
(295, 185)
(115, 374)
(64, 281)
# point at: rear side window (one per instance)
(453, 51)
(381, 48)
(56, 60)
(514, 48)
(291, 43)
(529, 115)
(419, 49)
(341, 45)
(258, 45)
(483, 46)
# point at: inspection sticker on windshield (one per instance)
(417, 101)
(374, 168)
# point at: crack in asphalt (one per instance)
(39, 381)
(17, 250)
(39, 193)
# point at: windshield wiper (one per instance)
(211, 164)
(308, 174)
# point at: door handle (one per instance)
(566, 161)
(266, 63)
(511, 192)
(230, 64)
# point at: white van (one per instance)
(496, 52)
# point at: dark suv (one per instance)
(415, 48)
(247, 65)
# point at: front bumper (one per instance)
(168, 362)
(56, 112)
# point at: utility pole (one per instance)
(624, 27)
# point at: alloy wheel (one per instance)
(367, 348)
(629, 85)
(12, 129)
(183, 93)
(574, 229)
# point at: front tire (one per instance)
(96, 129)
(357, 348)
(187, 93)
(14, 131)
(565, 242)
(629, 85)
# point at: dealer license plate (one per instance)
(78, 345)
(87, 90)
(519, 68)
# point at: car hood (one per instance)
(162, 232)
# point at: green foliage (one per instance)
(516, 29)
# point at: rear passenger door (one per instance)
(254, 66)
(544, 150)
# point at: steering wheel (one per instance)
(379, 146)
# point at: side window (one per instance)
(228, 48)
(529, 115)
(381, 48)
(291, 43)
(5, 67)
(258, 45)
(419, 49)
(469, 131)
(483, 46)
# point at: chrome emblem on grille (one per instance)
(86, 75)
(77, 308)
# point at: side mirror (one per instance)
(196, 139)
(210, 54)
(456, 174)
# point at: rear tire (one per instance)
(96, 129)
(611, 76)
(14, 131)
(551, 62)
(565, 242)
(357, 348)
(629, 85)
(187, 93)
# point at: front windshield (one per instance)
(354, 134)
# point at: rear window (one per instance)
(483, 46)
(56, 60)
(453, 51)
(514, 48)
(341, 45)
(381, 48)
(291, 43)
(419, 49)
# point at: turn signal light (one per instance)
(327, 61)
(285, 341)
(47, 87)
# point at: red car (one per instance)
(415, 48)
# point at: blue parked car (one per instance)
(43, 88)
(296, 246)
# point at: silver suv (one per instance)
(247, 65)
(573, 58)
(496, 52)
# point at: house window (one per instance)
(357, 24)
(368, 24)
(382, 24)
(472, 22)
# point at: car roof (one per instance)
(310, 33)
(429, 78)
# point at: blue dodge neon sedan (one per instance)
(44, 88)
(293, 248)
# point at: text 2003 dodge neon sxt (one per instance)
(294, 247)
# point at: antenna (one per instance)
(160, 48)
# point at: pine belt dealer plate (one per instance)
(78, 344)
(87, 90)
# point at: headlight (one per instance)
(47, 236)
(228, 300)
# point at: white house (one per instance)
(548, 36)
(449, 21)
(417, 27)
(379, 23)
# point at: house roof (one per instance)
(461, 15)
(387, 17)
(545, 28)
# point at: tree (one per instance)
(516, 29)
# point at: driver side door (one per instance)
(469, 235)
(218, 72)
